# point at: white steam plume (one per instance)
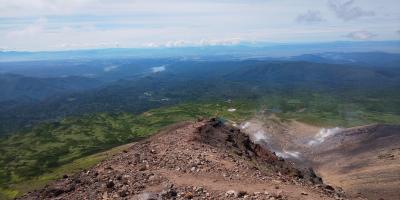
(323, 134)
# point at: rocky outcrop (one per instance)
(217, 134)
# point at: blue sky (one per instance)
(81, 24)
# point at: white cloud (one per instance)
(111, 68)
(361, 35)
(214, 42)
(311, 16)
(346, 10)
(30, 31)
(202, 42)
(81, 24)
(47, 7)
(151, 45)
(158, 69)
(194, 43)
(177, 43)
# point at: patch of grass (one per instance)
(345, 119)
(326, 110)
(75, 166)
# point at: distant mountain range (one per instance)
(240, 51)
(374, 59)
(128, 68)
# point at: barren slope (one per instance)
(199, 160)
(364, 161)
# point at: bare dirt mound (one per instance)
(194, 160)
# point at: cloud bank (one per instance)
(38, 25)
(361, 35)
(347, 10)
(311, 16)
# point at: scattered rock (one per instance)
(304, 193)
(241, 194)
(54, 192)
(147, 196)
(123, 193)
(328, 187)
(170, 193)
(110, 184)
(142, 168)
(231, 193)
(188, 195)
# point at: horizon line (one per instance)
(161, 47)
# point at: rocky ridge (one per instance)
(206, 159)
